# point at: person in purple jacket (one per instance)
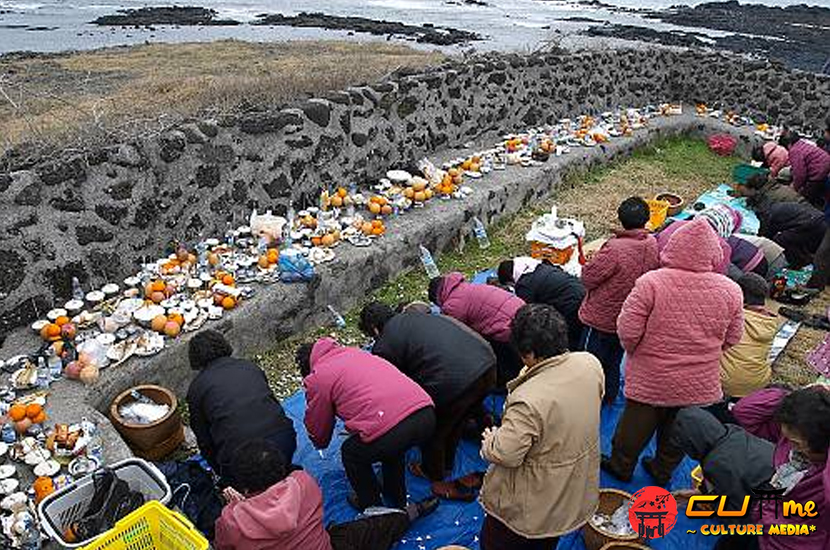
(810, 166)
(798, 423)
(385, 414)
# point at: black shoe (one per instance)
(648, 466)
(354, 502)
(427, 506)
(605, 464)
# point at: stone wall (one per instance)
(96, 214)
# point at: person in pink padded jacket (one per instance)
(674, 326)
(774, 157)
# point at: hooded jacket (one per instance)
(436, 352)
(726, 251)
(755, 413)
(776, 157)
(230, 402)
(286, 516)
(543, 479)
(678, 320)
(368, 393)
(733, 461)
(745, 367)
(487, 309)
(611, 273)
(810, 166)
(551, 285)
(790, 216)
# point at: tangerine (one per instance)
(50, 332)
(263, 262)
(366, 228)
(158, 286)
(172, 329)
(377, 231)
(327, 240)
(228, 302)
(158, 322)
(62, 320)
(336, 201)
(342, 193)
(17, 412)
(428, 193)
(374, 208)
(420, 196)
(273, 255)
(228, 280)
(316, 240)
(157, 297)
(40, 418)
(177, 318)
(409, 192)
(386, 210)
(33, 409)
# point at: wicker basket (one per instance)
(609, 501)
(624, 546)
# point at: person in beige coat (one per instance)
(543, 479)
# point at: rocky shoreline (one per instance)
(197, 16)
(795, 35)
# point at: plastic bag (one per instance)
(295, 268)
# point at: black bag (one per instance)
(112, 500)
(378, 532)
(194, 493)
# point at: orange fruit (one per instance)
(366, 228)
(40, 418)
(158, 322)
(342, 193)
(263, 262)
(377, 223)
(377, 231)
(33, 409)
(386, 210)
(62, 320)
(273, 255)
(172, 329)
(428, 193)
(453, 172)
(316, 240)
(228, 280)
(336, 201)
(17, 412)
(157, 297)
(177, 318)
(50, 332)
(418, 186)
(409, 192)
(158, 286)
(420, 196)
(374, 208)
(228, 302)
(327, 240)
(466, 164)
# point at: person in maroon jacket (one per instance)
(609, 278)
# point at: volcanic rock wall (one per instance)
(97, 214)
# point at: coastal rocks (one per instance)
(427, 33)
(172, 15)
(171, 145)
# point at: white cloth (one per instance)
(523, 265)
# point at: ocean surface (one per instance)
(508, 25)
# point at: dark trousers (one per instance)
(801, 243)
(438, 453)
(497, 536)
(606, 347)
(378, 532)
(508, 362)
(638, 423)
(389, 449)
(576, 331)
(821, 263)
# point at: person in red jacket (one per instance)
(773, 156)
(385, 412)
(609, 278)
(674, 326)
(272, 508)
(810, 166)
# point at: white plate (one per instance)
(4, 448)
(47, 468)
(14, 502)
(7, 470)
(105, 339)
(57, 312)
(398, 176)
(8, 486)
(37, 456)
(38, 325)
(147, 313)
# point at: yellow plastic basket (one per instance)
(658, 210)
(151, 527)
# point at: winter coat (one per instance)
(487, 309)
(755, 413)
(550, 284)
(771, 194)
(678, 320)
(776, 157)
(611, 273)
(810, 166)
(790, 216)
(368, 393)
(745, 367)
(734, 462)
(746, 257)
(230, 402)
(434, 351)
(543, 479)
(286, 516)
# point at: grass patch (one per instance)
(683, 166)
(66, 99)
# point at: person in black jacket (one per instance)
(455, 366)
(230, 403)
(548, 284)
(798, 228)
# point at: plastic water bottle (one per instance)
(7, 434)
(339, 321)
(429, 263)
(44, 376)
(481, 234)
(95, 447)
(55, 367)
(77, 291)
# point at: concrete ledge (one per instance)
(280, 310)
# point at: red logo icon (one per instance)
(653, 512)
